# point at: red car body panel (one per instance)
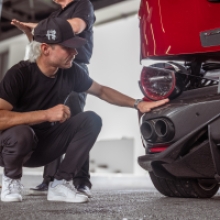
(170, 28)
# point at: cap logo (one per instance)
(51, 35)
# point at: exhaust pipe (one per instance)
(148, 132)
(164, 129)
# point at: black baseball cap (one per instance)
(57, 31)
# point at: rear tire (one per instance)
(184, 188)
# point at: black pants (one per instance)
(76, 102)
(23, 146)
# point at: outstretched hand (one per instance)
(23, 26)
(148, 106)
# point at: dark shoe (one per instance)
(40, 189)
(84, 190)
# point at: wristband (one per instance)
(137, 101)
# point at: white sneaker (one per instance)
(11, 189)
(65, 192)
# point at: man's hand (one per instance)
(24, 27)
(148, 106)
(58, 113)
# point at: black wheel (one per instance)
(184, 188)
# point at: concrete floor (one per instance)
(125, 199)
(117, 204)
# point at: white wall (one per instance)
(115, 63)
(16, 47)
(112, 156)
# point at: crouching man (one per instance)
(36, 128)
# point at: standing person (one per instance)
(36, 128)
(80, 15)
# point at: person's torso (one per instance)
(32, 90)
(42, 92)
(84, 52)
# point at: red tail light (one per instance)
(158, 148)
(157, 83)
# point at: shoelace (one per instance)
(70, 186)
(15, 186)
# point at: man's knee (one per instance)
(20, 139)
(94, 121)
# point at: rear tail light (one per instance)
(157, 83)
(158, 148)
(163, 80)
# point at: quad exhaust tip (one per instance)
(159, 130)
(147, 130)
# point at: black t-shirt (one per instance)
(80, 9)
(28, 89)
